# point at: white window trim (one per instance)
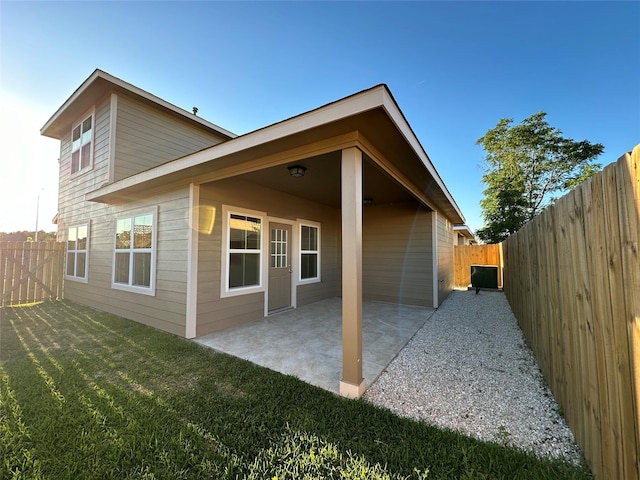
(225, 291)
(151, 289)
(318, 278)
(74, 278)
(90, 113)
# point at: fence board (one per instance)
(572, 277)
(629, 195)
(30, 272)
(467, 255)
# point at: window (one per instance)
(81, 142)
(309, 252)
(279, 242)
(242, 252)
(77, 253)
(134, 260)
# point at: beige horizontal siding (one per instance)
(72, 209)
(397, 254)
(445, 258)
(147, 137)
(214, 312)
(167, 309)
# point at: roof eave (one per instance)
(373, 98)
(49, 128)
(394, 112)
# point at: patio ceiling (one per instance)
(321, 182)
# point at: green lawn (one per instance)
(84, 394)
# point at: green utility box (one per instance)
(483, 276)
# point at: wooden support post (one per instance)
(352, 384)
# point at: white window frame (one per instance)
(89, 114)
(75, 251)
(318, 277)
(225, 291)
(151, 289)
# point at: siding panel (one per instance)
(147, 137)
(167, 309)
(445, 258)
(396, 254)
(214, 312)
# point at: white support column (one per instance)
(192, 261)
(352, 384)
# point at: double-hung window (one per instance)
(134, 257)
(81, 145)
(77, 252)
(309, 252)
(242, 252)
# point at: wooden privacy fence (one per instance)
(30, 272)
(467, 255)
(572, 278)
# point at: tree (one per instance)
(27, 236)
(526, 166)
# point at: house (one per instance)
(462, 235)
(177, 223)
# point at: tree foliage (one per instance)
(27, 236)
(527, 165)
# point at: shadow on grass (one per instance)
(85, 394)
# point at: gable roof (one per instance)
(371, 116)
(98, 85)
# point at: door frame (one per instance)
(294, 260)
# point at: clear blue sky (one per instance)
(455, 69)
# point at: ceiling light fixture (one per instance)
(297, 171)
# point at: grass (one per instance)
(85, 394)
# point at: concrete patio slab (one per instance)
(307, 342)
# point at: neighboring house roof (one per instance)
(464, 231)
(100, 84)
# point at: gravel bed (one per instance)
(469, 369)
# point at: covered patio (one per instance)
(357, 152)
(307, 342)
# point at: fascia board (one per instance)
(99, 74)
(74, 96)
(396, 115)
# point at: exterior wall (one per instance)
(445, 258)
(147, 137)
(397, 254)
(72, 188)
(166, 310)
(214, 312)
(141, 137)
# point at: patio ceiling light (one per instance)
(297, 171)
